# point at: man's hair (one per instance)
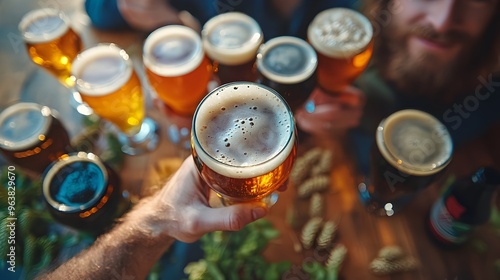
(486, 56)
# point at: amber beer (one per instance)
(109, 85)
(176, 67)
(412, 149)
(51, 42)
(32, 137)
(82, 192)
(231, 41)
(243, 141)
(343, 39)
(288, 65)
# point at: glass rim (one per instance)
(36, 14)
(404, 165)
(63, 161)
(45, 111)
(93, 53)
(180, 69)
(318, 44)
(308, 71)
(289, 142)
(232, 56)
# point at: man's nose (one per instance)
(444, 15)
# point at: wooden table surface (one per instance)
(363, 233)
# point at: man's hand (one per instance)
(325, 114)
(181, 210)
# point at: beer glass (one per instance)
(108, 83)
(411, 150)
(288, 65)
(244, 142)
(82, 192)
(31, 136)
(176, 67)
(231, 41)
(53, 45)
(343, 40)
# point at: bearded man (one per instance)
(441, 57)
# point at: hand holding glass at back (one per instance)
(343, 40)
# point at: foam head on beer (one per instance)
(43, 25)
(287, 60)
(414, 142)
(75, 183)
(243, 130)
(173, 51)
(106, 79)
(22, 125)
(340, 32)
(232, 38)
(102, 70)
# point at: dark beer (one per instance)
(82, 192)
(231, 41)
(288, 65)
(31, 136)
(243, 141)
(412, 148)
(343, 39)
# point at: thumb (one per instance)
(231, 218)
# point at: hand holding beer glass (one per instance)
(343, 40)
(244, 142)
(53, 45)
(411, 149)
(108, 83)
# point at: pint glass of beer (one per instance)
(177, 68)
(53, 45)
(31, 137)
(108, 83)
(343, 39)
(288, 65)
(411, 149)
(244, 142)
(231, 41)
(82, 192)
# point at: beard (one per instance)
(424, 74)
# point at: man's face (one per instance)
(430, 39)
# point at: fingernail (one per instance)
(258, 213)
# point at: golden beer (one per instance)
(343, 39)
(243, 141)
(106, 79)
(51, 43)
(231, 41)
(176, 67)
(31, 136)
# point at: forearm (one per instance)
(130, 249)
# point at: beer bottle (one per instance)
(465, 205)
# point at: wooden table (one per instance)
(362, 233)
